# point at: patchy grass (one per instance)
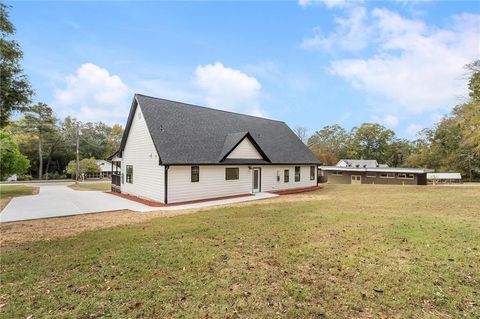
(7, 192)
(367, 251)
(96, 186)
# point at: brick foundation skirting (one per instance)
(158, 204)
(297, 190)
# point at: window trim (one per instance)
(312, 170)
(406, 176)
(389, 175)
(237, 169)
(337, 173)
(298, 176)
(197, 174)
(371, 175)
(127, 174)
(286, 176)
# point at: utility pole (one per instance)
(470, 166)
(77, 170)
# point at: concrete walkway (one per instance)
(256, 196)
(60, 200)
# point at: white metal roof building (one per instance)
(444, 176)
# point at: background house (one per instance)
(349, 171)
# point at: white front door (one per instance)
(256, 180)
(356, 179)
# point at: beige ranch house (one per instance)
(174, 152)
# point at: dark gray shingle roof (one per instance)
(189, 134)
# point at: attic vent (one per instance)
(358, 165)
(161, 128)
(139, 115)
(365, 165)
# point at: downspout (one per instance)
(166, 184)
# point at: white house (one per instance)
(175, 152)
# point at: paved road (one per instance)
(59, 200)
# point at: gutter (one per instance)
(165, 201)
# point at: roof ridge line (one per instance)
(209, 108)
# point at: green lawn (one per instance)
(9, 191)
(366, 251)
(97, 186)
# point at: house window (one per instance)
(231, 173)
(337, 173)
(286, 176)
(129, 174)
(312, 173)
(405, 176)
(297, 173)
(372, 175)
(387, 175)
(195, 174)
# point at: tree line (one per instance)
(452, 145)
(39, 144)
(50, 144)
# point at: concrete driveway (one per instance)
(60, 200)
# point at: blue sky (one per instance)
(308, 63)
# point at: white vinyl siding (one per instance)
(270, 183)
(245, 150)
(212, 183)
(140, 152)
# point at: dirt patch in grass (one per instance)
(15, 233)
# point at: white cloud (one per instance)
(417, 68)
(351, 34)
(93, 94)
(328, 3)
(413, 129)
(177, 90)
(228, 89)
(388, 120)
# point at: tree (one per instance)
(302, 133)
(11, 160)
(330, 144)
(87, 165)
(40, 121)
(474, 82)
(371, 141)
(397, 152)
(15, 90)
(113, 140)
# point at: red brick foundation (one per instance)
(138, 199)
(297, 190)
(157, 204)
